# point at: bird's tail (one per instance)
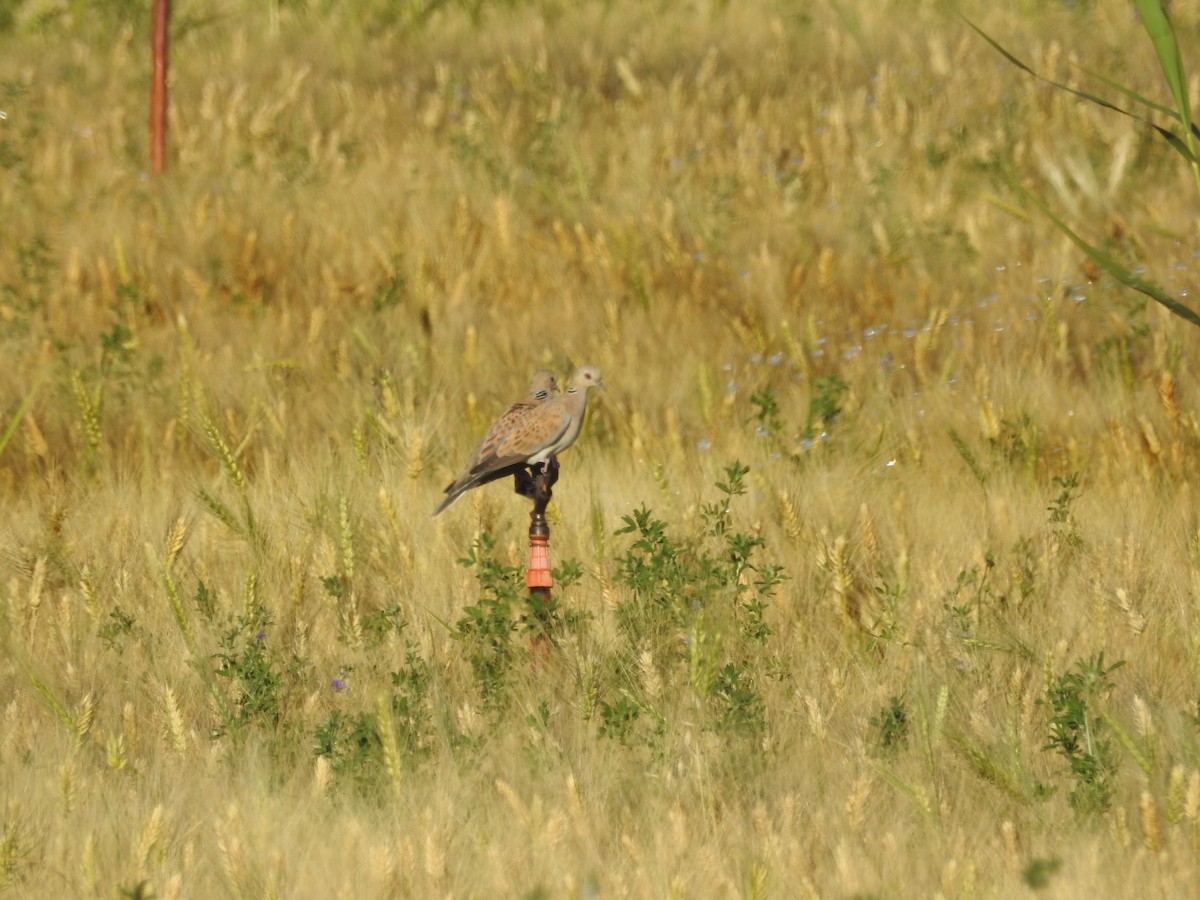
(453, 491)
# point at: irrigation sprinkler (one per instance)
(537, 483)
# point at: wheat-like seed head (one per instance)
(346, 537)
(37, 440)
(612, 318)
(1135, 620)
(84, 714)
(384, 863)
(1176, 794)
(514, 801)
(416, 448)
(503, 216)
(826, 267)
(471, 349)
(359, 442)
(868, 536)
(1120, 827)
(129, 727)
(176, 541)
(1166, 394)
(1191, 805)
(1151, 831)
(173, 728)
(651, 681)
(88, 866)
(114, 752)
(789, 516)
(224, 453)
(392, 762)
(182, 617)
(1008, 835)
(36, 584)
(233, 855)
(816, 718)
(1150, 442)
(150, 839)
(90, 406)
(252, 601)
(322, 774)
(435, 855)
(66, 630)
(856, 803)
(67, 783)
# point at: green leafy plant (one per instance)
(701, 600)
(766, 406)
(738, 704)
(1078, 733)
(488, 626)
(411, 712)
(351, 743)
(970, 592)
(258, 674)
(118, 626)
(825, 404)
(673, 580)
(1038, 871)
(617, 719)
(891, 726)
(1062, 519)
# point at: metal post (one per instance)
(158, 86)
(538, 485)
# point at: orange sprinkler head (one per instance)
(538, 573)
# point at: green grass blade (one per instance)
(1129, 92)
(987, 767)
(969, 457)
(1140, 755)
(15, 421)
(51, 700)
(1162, 35)
(1158, 26)
(221, 511)
(180, 611)
(1115, 269)
(1171, 138)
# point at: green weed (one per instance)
(891, 726)
(1078, 733)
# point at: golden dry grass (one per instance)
(258, 373)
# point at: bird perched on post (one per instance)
(530, 432)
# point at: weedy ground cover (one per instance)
(876, 563)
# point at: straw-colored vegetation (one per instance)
(887, 483)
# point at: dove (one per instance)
(542, 387)
(528, 434)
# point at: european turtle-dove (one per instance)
(542, 388)
(528, 434)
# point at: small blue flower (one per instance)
(338, 685)
(261, 636)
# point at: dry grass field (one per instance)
(878, 560)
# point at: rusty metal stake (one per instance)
(538, 485)
(158, 86)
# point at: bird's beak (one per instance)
(602, 386)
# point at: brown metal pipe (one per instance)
(158, 86)
(539, 485)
